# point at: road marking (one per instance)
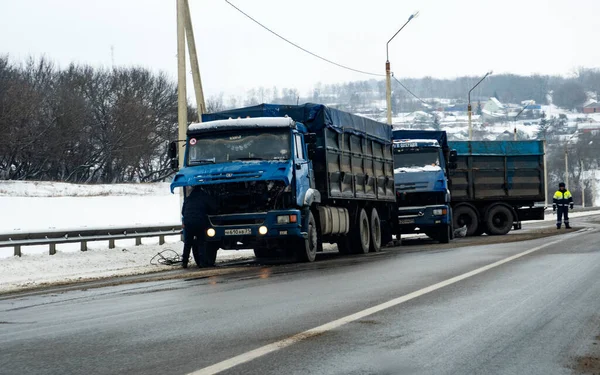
(270, 348)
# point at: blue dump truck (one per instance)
(485, 186)
(422, 161)
(289, 178)
(496, 185)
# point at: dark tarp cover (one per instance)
(438, 135)
(508, 148)
(314, 116)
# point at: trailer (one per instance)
(496, 185)
(289, 178)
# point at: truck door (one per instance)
(301, 169)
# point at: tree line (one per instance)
(85, 124)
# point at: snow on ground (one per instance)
(35, 270)
(47, 206)
(35, 206)
(61, 189)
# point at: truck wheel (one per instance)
(306, 250)
(375, 231)
(499, 220)
(209, 257)
(362, 235)
(465, 215)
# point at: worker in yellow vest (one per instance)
(563, 200)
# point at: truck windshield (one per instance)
(239, 145)
(417, 159)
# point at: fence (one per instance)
(17, 240)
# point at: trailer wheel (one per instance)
(465, 215)
(306, 250)
(499, 220)
(375, 231)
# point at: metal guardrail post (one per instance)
(111, 243)
(84, 246)
(52, 248)
(161, 240)
(138, 241)
(17, 250)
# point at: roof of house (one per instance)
(593, 105)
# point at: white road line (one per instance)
(270, 348)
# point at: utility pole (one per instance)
(545, 176)
(181, 88)
(191, 43)
(388, 72)
(567, 165)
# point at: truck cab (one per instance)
(259, 174)
(421, 181)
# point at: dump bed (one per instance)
(498, 170)
(353, 158)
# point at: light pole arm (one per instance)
(481, 80)
(387, 55)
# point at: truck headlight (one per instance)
(283, 219)
(440, 211)
(262, 230)
(210, 232)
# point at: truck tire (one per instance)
(207, 258)
(361, 241)
(465, 215)
(499, 220)
(306, 250)
(375, 231)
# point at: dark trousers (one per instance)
(562, 212)
(192, 236)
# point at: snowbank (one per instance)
(34, 270)
(61, 189)
(41, 206)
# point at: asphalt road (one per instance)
(432, 312)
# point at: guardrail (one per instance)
(52, 238)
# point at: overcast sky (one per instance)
(449, 38)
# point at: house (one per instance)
(592, 108)
(493, 109)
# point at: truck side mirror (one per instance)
(453, 158)
(172, 154)
(172, 150)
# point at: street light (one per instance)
(515, 118)
(469, 105)
(388, 78)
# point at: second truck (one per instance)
(481, 186)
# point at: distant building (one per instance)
(592, 108)
(493, 109)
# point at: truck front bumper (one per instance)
(255, 226)
(422, 217)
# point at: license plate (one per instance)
(237, 232)
(406, 221)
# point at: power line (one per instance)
(410, 92)
(301, 48)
